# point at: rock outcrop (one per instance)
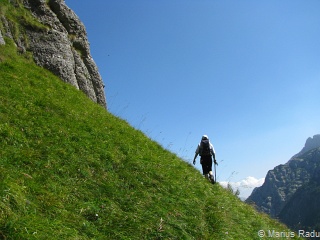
(283, 181)
(61, 46)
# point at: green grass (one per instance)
(71, 170)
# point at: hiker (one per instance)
(206, 151)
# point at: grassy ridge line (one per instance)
(71, 170)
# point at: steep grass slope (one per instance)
(71, 170)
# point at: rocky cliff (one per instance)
(283, 181)
(302, 211)
(58, 42)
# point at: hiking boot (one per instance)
(211, 178)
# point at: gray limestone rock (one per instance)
(61, 46)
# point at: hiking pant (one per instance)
(206, 162)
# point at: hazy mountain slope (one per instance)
(71, 170)
(285, 179)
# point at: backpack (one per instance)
(205, 148)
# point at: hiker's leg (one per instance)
(205, 167)
(204, 170)
(205, 174)
(210, 167)
(212, 177)
(210, 164)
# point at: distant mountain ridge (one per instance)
(311, 143)
(287, 181)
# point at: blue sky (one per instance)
(246, 73)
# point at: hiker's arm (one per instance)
(196, 155)
(214, 155)
(194, 159)
(214, 158)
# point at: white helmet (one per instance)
(204, 137)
